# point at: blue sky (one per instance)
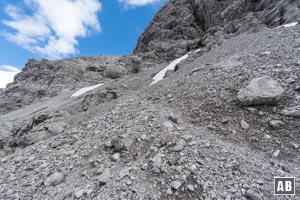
(68, 28)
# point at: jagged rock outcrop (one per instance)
(44, 79)
(181, 26)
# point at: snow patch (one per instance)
(160, 75)
(85, 89)
(288, 25)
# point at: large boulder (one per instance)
(261, 91)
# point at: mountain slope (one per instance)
(188, 136)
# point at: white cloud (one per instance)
(133, 3)
(7, 74)
(52, 27)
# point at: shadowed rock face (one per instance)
(181, 26)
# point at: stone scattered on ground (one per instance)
(185, 137)
(261, 91)
(54, 179)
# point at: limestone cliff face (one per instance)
(44, 79)
(182, 25)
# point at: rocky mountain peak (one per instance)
(183, 25)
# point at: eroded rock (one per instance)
(261, 91)
(55, 179)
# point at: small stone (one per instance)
(127, 143)
(253, 195)
(123, 173)
(276, 153)
(108, 144)
(232, 190)
(173, 160)
(228, 197)
(193, 168)
(261, 91)
(225, 120)
(187, 137)
(115, 157)
(157, 161)
(168, 125)
(276, 123)
(179, 146)
(297, 88)
(144, 137)
(57, 128)
(244, 125)
(173, 119)
(144, 166)
(291, 80)
(104, 177)
(165, 139)
(295, 145)
(128, 182)
(266, 53)
(190, 188)
(169, 191)
(55, 179)
(117, 145)
(291, 112)
(267, 137)
(79, 193)
(175, 185)
(259, 182)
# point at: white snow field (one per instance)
(160, 75)
(84, 90)
(288, 25)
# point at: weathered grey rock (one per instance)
(104, 177)
(124, 172)
(260, 182)
(190, 188)
(175, 185)
(127, 143)
(117, 145)
(252, 195)
(80, 193)
(115, 157)
(179, 146)
(157, 161)
(165, 138)
(112, 74)
(276, 153)
(244, 125)
(55, 179)
(57, 128)
(291, 112)
(261, 91)
(295, 145)
(276, 123)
